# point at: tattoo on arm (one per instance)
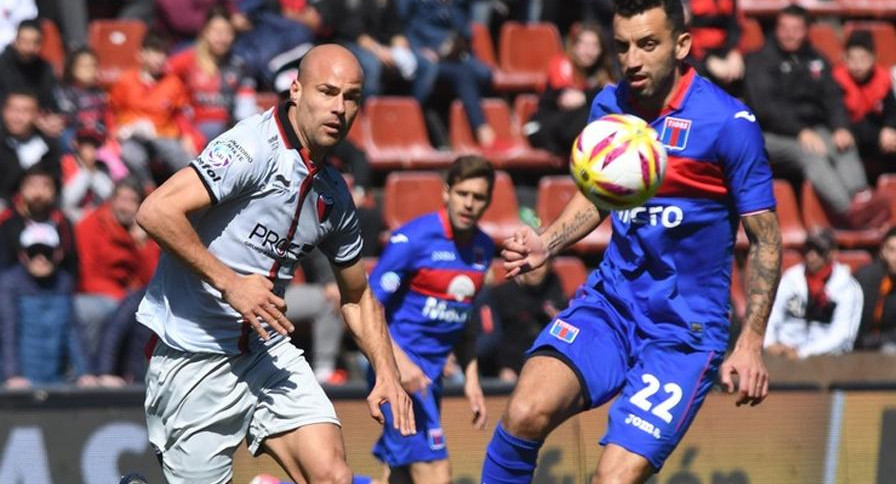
(577, 226)
(763, 268)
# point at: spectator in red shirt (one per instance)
(116, 257)
(220, 88)
(149, 107)
(868, 96)
(715, 32)
(573, 79)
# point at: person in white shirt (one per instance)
(234, 225)
(818, 307)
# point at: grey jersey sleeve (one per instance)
(233, 163)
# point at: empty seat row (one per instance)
(842, 8)
(392, 131)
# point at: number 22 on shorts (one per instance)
(662, 409)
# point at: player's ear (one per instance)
(295, 90)
(445, 195)
(683, 45)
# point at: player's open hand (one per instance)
(389, 390)
(747, 365)
(523, 252)
(251, 296)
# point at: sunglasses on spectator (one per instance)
(40, 249)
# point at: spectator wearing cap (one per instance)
(23, 68)
(85, 178)
(818, 306)
(878, 280)
(868, 96)
(116, 257)
(22, 146)
(36, 201)
(41, 343)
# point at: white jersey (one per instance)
(271, 206)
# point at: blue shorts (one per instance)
(427, 445)
(660, 384)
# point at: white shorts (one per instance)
(199, 407)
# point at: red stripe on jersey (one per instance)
(150, 346)
(691, 178)
(436, 282)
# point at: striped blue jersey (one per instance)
(668, 265)
(427, 281)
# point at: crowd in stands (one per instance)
(101, 101)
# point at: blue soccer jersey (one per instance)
(427, 281)
(668, 265)
(650, 325)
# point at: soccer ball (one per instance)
(618, 162)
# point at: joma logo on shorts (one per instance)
(667, 216)
(643, 425)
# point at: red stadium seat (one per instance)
(554, 192)
(408, 194)
(502, 217)
(482, 46)
(52, 48)
(886, 184)
(884, 35)
(511, 148)
(826, 40)
(524, 107)
(884, 9)
(768, 8)
(572, 273)
(116, 43)
(815, 215)
(855, 259)
(525, 51)
(751, 37)
(396, 135)
(790, 258)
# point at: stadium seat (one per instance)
(482, 46)
(886, 184)
(554, 192)
(768, 8)
(815, 215)
(52, 48)
(826, 40)
(525, 51)
(751, 37)
(855, 259)
(116, 43)
(884, 35)
(396, 136)
(524, 107)
(502, 217)
(572, 273)
(408, 194)
(882, 9)
(790, 258)
(511, 149)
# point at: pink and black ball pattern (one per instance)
(618, 162)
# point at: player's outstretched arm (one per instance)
(163, 215)
(365, 320)
(763, 274)
(527, 250)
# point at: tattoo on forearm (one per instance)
(568, 231)
(763, 268)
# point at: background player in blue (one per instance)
(651, 323)
(426, 279)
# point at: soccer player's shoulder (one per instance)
(608, 100)
(245, 142)
(722, 104)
